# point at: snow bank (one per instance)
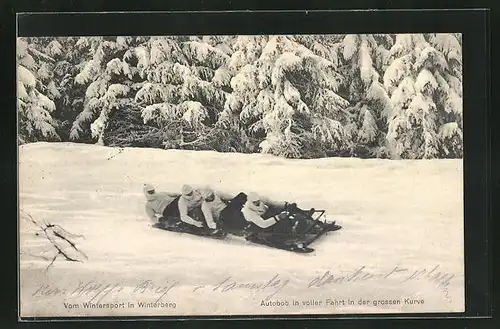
(402, 225)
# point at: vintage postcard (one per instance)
(237, 175)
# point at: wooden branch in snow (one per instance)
(52, 262)
(71, 235)
(54, 233)
(33, 255)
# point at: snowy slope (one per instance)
(401, 220)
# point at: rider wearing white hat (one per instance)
(212, 206)
(255, 209)
(157, 202)
(189, 201)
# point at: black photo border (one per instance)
(473, 23)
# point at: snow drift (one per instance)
(400, 249)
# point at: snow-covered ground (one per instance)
(402, 236)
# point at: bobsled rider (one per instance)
(157, 202)
(265, 216)
(212, 206)
(282, 217)
(189, 205)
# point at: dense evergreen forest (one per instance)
(298, 96)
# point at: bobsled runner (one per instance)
(294, 244)
(295, 233)
(199, 231)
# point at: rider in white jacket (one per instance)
(212, 206)
(189, 201)
(255, 211)
(156, 202)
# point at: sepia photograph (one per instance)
(240, 175)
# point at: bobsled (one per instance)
(179, 227)
(294, 232)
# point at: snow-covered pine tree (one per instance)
(69, 103)
(36, 90)
(450, 97)
(362, 58)
(424, 81)
(183, 91)
(246, 49)
(286, 95)
(108, 81)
